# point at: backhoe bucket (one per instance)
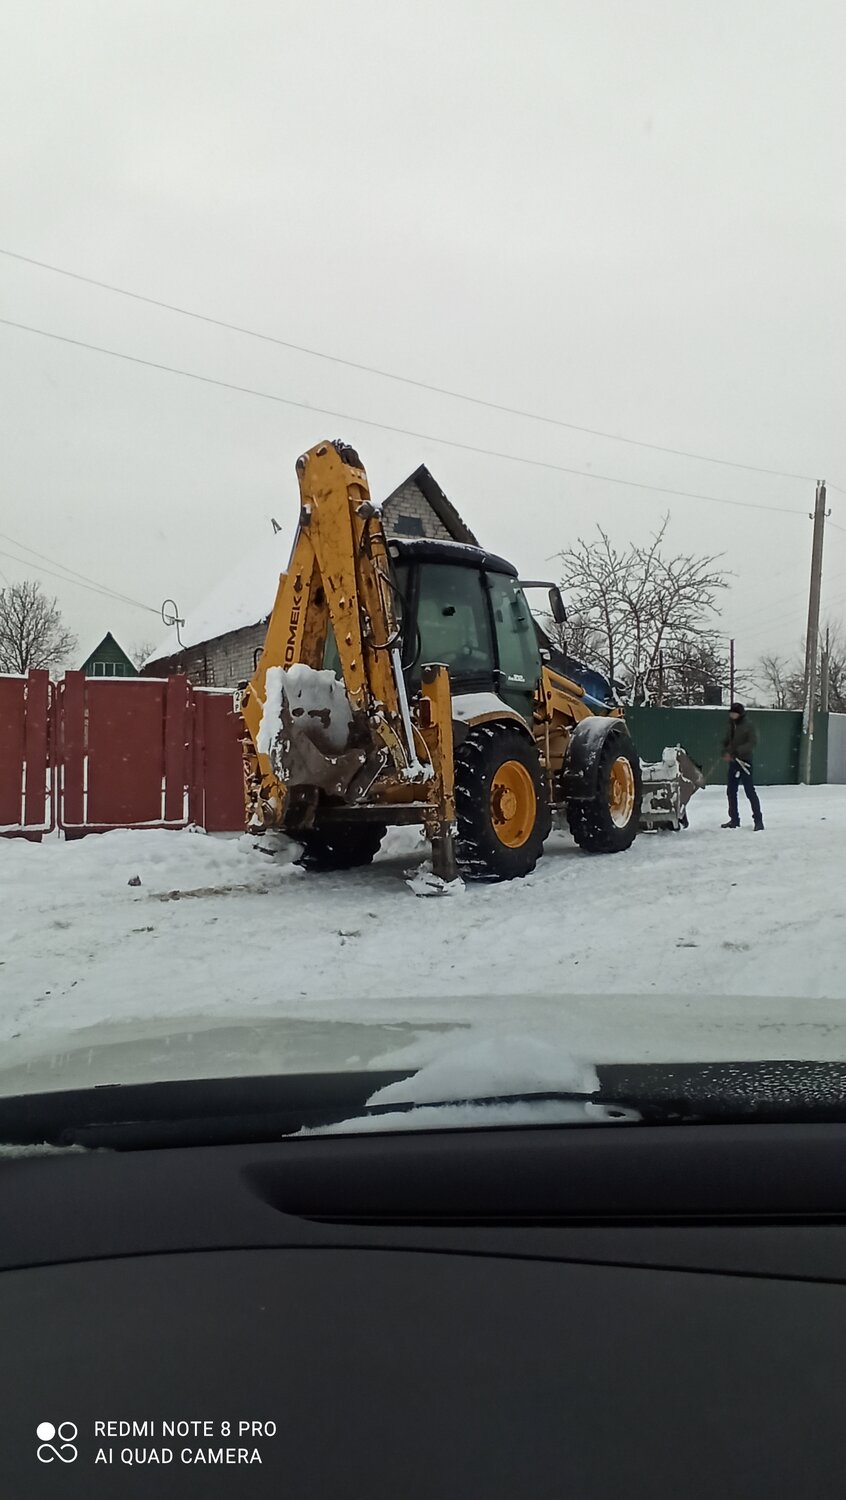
(668, 785)
(313, 738)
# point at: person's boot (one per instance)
(730, 824)
(759, 825)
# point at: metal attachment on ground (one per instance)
(668, 785)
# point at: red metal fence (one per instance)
(26, 760)
(216, 795)
(91, 754)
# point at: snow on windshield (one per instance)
(485, 1066)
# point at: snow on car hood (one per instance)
(462, 1084)
(194, 1047)
(443, 1061)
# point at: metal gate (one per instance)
(123, 753)
(26, 762)
(217, 781)
(92, 754)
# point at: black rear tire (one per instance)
(593, 822)
(340, 846)
(481, 851)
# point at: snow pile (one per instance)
(479, 1117)
(271, 718)
(484, 1067)
(665, 769)
(447, 1090)
(424, 883)
(316, 700)
(84, 872)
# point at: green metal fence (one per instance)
(700, 731)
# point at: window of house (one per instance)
(409, 526)
(109, 669)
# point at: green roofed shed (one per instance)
(109, 660)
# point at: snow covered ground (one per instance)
(704, 944)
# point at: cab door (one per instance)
(517, 652)
(452, 625)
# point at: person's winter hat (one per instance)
(737, 708)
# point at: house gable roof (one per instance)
(108, 649)
(443, 508)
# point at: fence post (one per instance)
(36, 749)
(196, 790)
(71, 802)
(176, 769)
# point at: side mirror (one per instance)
(556, 605)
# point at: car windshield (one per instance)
(486, 762)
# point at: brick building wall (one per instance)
(408, 513)
(224, 662)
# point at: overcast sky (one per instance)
(625, 215)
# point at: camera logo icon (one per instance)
(57, 1442)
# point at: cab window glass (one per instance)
(515, 634)
(453, 620)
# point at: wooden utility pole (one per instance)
(812, 638)
(731, 671)
(825, 672)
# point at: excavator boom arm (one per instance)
(338, 577)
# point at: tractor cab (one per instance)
(464, 607)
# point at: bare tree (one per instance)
(638, 604)
(32, 631)
(694, 671)
(836, 669)
(776, 674)
(576, 636)
(141, 651)
(784, 678)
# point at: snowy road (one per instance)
(703, 944)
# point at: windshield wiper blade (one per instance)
(490, 1101)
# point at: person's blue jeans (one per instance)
(737, 778)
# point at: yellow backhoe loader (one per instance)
(406, 681)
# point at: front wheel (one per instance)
(340, 846)
(608, 822)
(501, 805)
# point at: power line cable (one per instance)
(74, 575)
(798, 614)
(424, 437)
(421, 385)
(63, 578)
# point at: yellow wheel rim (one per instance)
(621, 792)
(514, 804)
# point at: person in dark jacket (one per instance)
(739, 744)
